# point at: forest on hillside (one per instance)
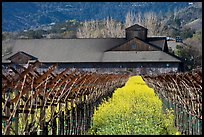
(15, 17)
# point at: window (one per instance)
(133, 46)
(179, 39)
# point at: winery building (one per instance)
(136, 52)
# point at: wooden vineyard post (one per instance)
(45, 129)
(198, 119)
(175, 112)
(75, 118)
(188, 121)
(84, 114)
(193, 125)
(199, 131)
(176, 115)
(58, 124)
(16, 123)
(90, 112)
(187, 124)
(26, 116)
(35, 104)
(32, 115)
(55, 124)
(62, 122)
(184, 120)
(179, 115)
(16, 116)
(66, 117)
(53, 120)
(61, 119)
(8, 113)
(71, 121)
(42, 116)
(72, 118)
(181, 118)
(196, 126)
(45, 124)
(190, 124)
(68, 122)
(92, 108)
(188, 115)
(175, 106)
(80, 117)
(167, 100)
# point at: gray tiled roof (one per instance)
(65, 50)
(22, 53)
(157, 41)
(138, 56)
(84, 50)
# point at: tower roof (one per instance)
(135, 27)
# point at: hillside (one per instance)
(183, 19)
(38, 13)
(195, 24)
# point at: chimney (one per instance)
(136, 31)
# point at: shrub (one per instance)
(133, 109)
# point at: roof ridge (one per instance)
(135, 26)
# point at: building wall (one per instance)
(136, 68)
(20, 59)
(142, 34)
(135, 45)
(161, 43)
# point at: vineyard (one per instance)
(62, 101)
(183, 93)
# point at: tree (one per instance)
(186, 33)
(148, 20)
(152, 23)
(107, 28)
(120, 31)
(82, 32)
(191, 53)
(138, 19)
(7, 46)
(129, 19)
(8, 41)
